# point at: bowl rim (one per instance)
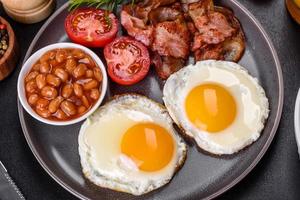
(297, 121)
(34, 57)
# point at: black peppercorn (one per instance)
(4, 40)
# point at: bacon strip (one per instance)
(171, 39)
(167, 65)
(219, 35)
(171, 30)
(137, 28)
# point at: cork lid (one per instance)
(23, 5)
(32, 15)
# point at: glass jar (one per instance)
(293, 7)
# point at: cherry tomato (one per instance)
(91, 27)
(127, 59)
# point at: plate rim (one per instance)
(215, 194)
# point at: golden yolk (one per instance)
(210, 107)
(149, 145)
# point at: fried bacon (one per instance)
(167, 65)
(219, 34)
(136, 27)
(214, 52)
(172, 28)
(234, 47)
(171, 37)
(163, 30)
(162, 14)
(214, 28)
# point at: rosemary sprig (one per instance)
(105, 4)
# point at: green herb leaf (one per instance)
(104, 4)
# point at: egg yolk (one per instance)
(149, 145)
(210, 107)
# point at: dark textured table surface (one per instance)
(277, 176)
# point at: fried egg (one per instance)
(218, 104)
(130, 145)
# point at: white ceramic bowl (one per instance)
(297, 121)
(34, 58)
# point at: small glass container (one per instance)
(293, 7)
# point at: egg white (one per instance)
(252, 104)
(99, 145)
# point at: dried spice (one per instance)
(4, 39)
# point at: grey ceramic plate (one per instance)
(202, 176)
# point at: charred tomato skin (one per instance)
(128, 60)
(91, 27)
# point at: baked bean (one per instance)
(53, 63)
(40, 81)
(70, 65)
(98, 74)
(31, 86)
(75, 100)
(84, 61)
(67, 90)
(83, 81)
(60, 114)
(43, 112)
(90, 84)
(36, 67)
(63, 84)
(68, 108)
(33, 99)
(81, 109)
(91, 62)
(55, 103)
(89, 73)
(31, 76)
(53, 80)
(79, 54)
(88, 61)
(45, 67)
(61, 56)
(79, 71)
(78, 89)
(47, 56)
(42, 103)
(95, 94)
(49, 92)
(62, 74)
(85, 101)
